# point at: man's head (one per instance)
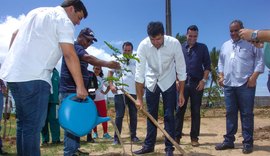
(127, 48)
(86, 37)
(235, 26)
(75, 10)
(192, 34)
(155, 31)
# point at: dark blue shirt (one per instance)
(197, 60)
(67, 84)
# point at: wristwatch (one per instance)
(204, 80)
(254, 35)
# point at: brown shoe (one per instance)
(195, 143)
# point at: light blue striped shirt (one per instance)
(238, 61)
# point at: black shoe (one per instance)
(45, 143)
(82, 152)
(224, 146)
(169, 153)
(2, 152)
(135, 140)
(144, 150)
(247, 149)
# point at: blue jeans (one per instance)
(120, 102)
(195, 107)
(242, 99)
(71, 142)
(31, 100)
(169, 103)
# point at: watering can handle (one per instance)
(73, 97)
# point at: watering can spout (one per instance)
(101, 120)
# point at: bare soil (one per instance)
(213, 127)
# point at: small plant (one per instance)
(124, 60)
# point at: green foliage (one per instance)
(181, 38)
(214, 91)
(124, 60)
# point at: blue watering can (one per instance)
(79, 117)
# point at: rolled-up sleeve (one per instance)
(180, 63)
(259, 64)
(140, 66)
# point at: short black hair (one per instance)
(155, 28)
(192, 28)
(239, 22)
(127, 44)
(77, 4)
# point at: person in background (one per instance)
(52, 115)
(120, 99)
(44, 36)
(198, 66)
(240, 63)
(3, 89)
(161, 63)
(67, 86)
(100, 101)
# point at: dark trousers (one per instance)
(195, 97)
(120, 103)
(169, 103)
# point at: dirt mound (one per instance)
(262, 133)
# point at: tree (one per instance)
(214, 91)
(181, 38)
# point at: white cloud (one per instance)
(10, 24)
(7, 27)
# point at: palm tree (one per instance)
(214, 89)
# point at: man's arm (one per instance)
(262, 35)
(74, 67)
(139, 93)
(98, 62)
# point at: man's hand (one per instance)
(251, 82)
(181, 100)
(246, 34)
(113, 65)
(81, 93)
(113, 89)
(139, 104)
(200, 85)
(220, 81)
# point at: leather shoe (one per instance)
(224, 146)
(169, 153)
(144, 150)
(247, 149)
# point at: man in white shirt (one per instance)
(161, 63)
(45, 35)
(120, 100)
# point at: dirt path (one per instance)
(212, 131)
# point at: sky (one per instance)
(117, 21)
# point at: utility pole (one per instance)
(168, 18)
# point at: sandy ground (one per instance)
(212, 131)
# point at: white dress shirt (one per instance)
(160, 66)
(36, 50)
(127, 77)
